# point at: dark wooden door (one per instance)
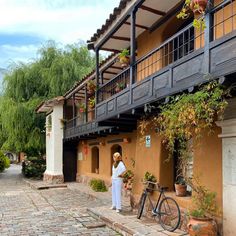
(69, 162)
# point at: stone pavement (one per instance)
(61, 211)
(71, 210)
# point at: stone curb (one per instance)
(112, 224)
(43, 186)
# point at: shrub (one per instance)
(7, 162)
(34, 167)
(98, 185)
(4, 162)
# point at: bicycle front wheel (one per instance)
(169, 214)
(141, 205)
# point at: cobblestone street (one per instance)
(25, 211)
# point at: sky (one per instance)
(25, 25)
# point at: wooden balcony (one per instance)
(185, 60)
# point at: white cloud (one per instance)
(65, 21)
(10, 54)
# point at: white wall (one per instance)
(54, 145)
(229, 175)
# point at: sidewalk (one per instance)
(125, 222)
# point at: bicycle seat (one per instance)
(163, 188)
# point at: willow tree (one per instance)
(26, 85)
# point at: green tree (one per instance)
(26, 85)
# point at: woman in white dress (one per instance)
(118, 169)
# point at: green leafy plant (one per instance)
(149, 177)
(91, 86)
(119, 86)
(187, 116)
(124, 53)
(181, 181)
(205, 205)
(98, 185)
(82, 107)
(7, 162)
(199, 9)
(124, 57)
(92, 102)
(34, 167)
(4, 162)
(128, 175)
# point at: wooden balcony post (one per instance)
(132, 48)
(86, 104)
(208, 37)
(97, 73)
(74, 109)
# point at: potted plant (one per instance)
(124, 58)
(180, 187)
(128, 179)
(91, 86)
(119, 86)
(201, 220)
(198, 7)
(150, 177)
(92, 102)
(82, 107)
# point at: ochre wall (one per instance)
(208, 162)
(105, 156)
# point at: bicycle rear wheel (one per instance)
(169, 214)
(141, 205)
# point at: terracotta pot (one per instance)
(202, 6)
(202, 226)
(180, 190)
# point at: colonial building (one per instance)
(168, 56)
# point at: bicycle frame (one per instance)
(154, 208)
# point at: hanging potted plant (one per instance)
(128, 179)
(92, 102)
(201, 220)
(119, 87)
(91, 86)
(124, 58)
(198, 7)
(82, 107)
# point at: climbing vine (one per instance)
(186, 116)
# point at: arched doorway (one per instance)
(115, 148)
(95, 160)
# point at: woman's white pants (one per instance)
(116, 192)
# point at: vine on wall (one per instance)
(187, 116)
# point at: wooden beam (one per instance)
(116, 67)
(109, 72)
(120, 38)
(154, 11)
(138, 26)
(110, 50)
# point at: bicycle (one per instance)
(166, 208)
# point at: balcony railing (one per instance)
(116, 85)
(173, 49)
(179, 45)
